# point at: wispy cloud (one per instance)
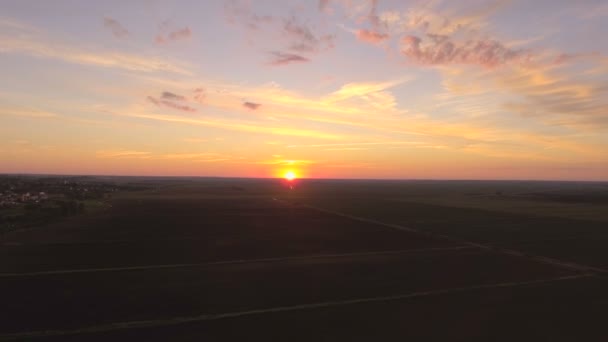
(34, 44)
(323, 5)
(572, 57)
(293, 39)
(346, 149)
(360, 89)
(122, 153)
(251, 105)
(441, 50)
(301, 38)
(172, 36)
(203, 155)
(279, 58)
(170, 104)
(354, 144)
(199, 95)
(243, 126)
(196, 157)
(31, 113)
(286, 162)
(171, 96)
(115, 27)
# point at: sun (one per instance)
(290, 175)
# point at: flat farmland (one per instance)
(227, 260)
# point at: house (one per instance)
(25, 197)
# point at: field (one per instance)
(241, 259)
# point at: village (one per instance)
(11, 199)
(29, 200)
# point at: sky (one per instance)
(497, 89)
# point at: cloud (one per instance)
(180, 34)
(242, 126)
(31, 113)
(284, 58)
(184, 108)
(187, 157)
(43, 47)
(117, 29)
(239, 13)
(285, 33)
(173, 36)
(323, 5)
(359, 144)
(302, 39)
(205, 155)
(361, 89)
(251, 105)
(373, 16)
(170, 104)
(425, 19)
(441, 50)
(196, 140)
(171, 96)
(292, 162)
(571, 57)
(199, 95)
(556, 98)
(371, 36)
(122, 153)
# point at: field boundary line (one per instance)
(541, 259)
(311, 306)
(233, 262)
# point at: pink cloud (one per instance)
(117, 29)
(439, 49)
(284, 58)
(251, 105)
(371, 36)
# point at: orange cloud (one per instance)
(371, 36)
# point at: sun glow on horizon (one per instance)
(290, 175)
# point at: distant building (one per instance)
(25, 197)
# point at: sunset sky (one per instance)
(329, 89)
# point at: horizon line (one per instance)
(308, 178)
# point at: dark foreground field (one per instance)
(233, 260)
